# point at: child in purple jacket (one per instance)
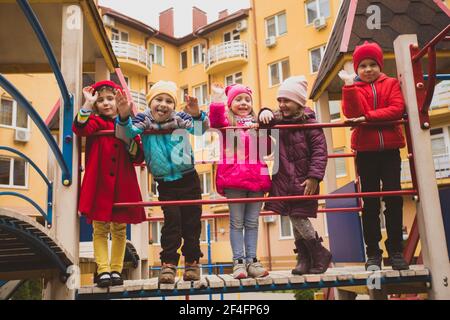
(239, 175)
(302, 161)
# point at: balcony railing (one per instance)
(231, 49)
(139, 99)
(441, 167)
(131, 51)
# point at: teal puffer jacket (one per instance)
(168, 156)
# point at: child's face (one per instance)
(106, 103)
(369, 70)
(290, 108)
(242, 105)
(162, 107)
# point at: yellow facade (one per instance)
(42, 92)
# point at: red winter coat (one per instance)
(378, 101)
(109, 175)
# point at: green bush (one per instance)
(29, 290)
(305, 294)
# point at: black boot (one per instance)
(303, 258)
(320, 256)
(373, 262)
(397, 261)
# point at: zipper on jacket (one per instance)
(375, 102)
(166, 143)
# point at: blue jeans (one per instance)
(244, 224)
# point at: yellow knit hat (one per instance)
(167, 87)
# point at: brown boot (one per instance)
(303, 258)
(191, 271)
(167, 274)
(320, 255)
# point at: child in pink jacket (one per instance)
(240, 175)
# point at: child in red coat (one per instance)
(109, 178)
(372, 96)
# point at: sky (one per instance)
(147, 11)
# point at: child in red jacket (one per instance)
(370, 97)
(109, 178)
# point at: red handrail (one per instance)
(264, 199)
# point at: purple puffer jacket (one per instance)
(302, 154)
(231, 174)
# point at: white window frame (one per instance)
(235, 35)
(234, 77)
(342, 175)
(14, 116)
(181, 59)
(205, 184)
(157, 241)
(182, 93)
(200, 47)
(11, 185)
(280, 230)
(206, 222)
(280, 71)
(322, 52)
(319, 14)
(277, 27)
(337, 102)
(202, 100)
(119, 34)
(154, 59)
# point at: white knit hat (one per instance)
(294, 88)
(167, 87)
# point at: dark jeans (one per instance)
(181, 222)
(373, 167)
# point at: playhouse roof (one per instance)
(426, 18)
(21, 51)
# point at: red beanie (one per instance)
(107, 83)
(367, 51)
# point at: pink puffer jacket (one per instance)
(237, 172)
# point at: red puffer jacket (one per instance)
(381, 100)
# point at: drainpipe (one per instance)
(258, 75)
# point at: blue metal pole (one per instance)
(208, 235)
(39, 31)
(67, 143)
(48, 182)
(15, 194)
(23, 102)
(221, 272)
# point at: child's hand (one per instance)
(347, 77)
(356, 120)
(192, 106)
(89, 97)
(218, 93)
(123, 107)
(266, 116)
(310, 185)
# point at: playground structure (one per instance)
(61, 235)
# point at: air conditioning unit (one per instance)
(22, 135)
(319, 23)
(108, 21)
(241, 25)
(271, 41)
(269, 219)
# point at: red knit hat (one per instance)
(106, 83)
(368, 50)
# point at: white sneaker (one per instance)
(256, 270)
(239, 269)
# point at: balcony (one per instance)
(139, 100)
(441, 168)
(225, 56)
(135, 57)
